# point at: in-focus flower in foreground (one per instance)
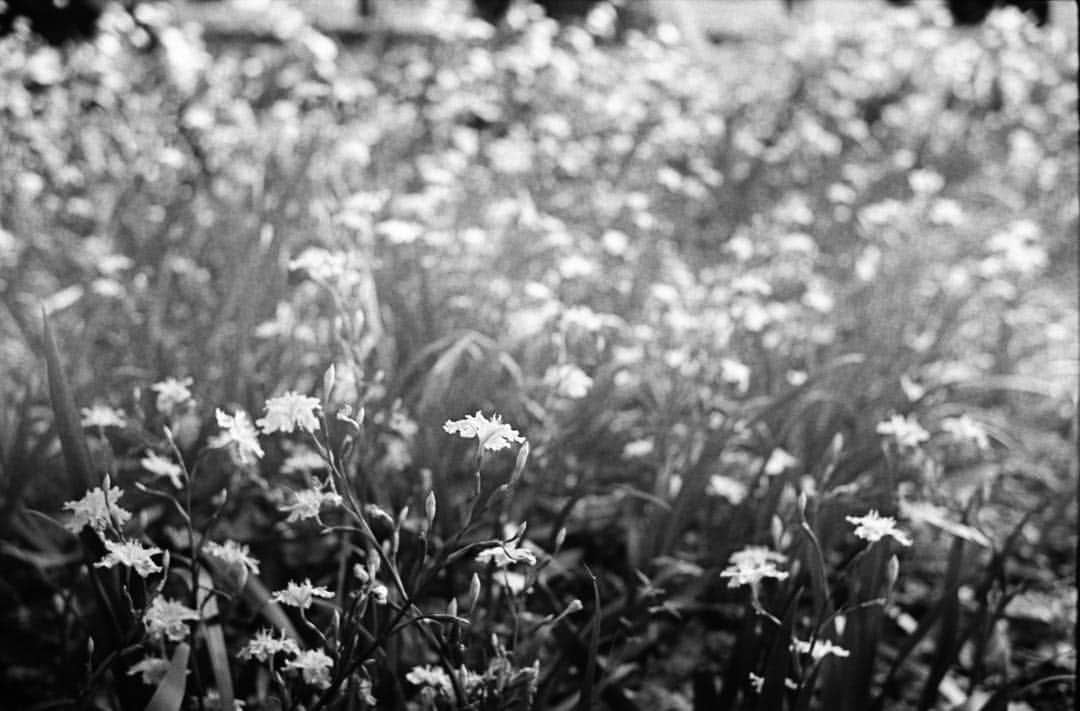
(239, 431)
(301, 595)
(96, 509)
(493, 433)
(102, 416)
(286, 413)
(168, 618)
(163, 466)
(820, 649)
(505, 555)
(132, 554)
(171, 393)
(314, 665)
(907, 432)
(752, 564)
(308, 503)
(264, 645)
(873, 527)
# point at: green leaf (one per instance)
(169, 694)
(68, 423)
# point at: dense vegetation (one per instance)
(785, 369)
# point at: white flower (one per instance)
(820, 649)
(907, 432)
(286, 413)
(505, 555)
(433, 677)
(171, 393)
(568, 381)
(153, 670)
(96, 510)
(238, 431)
(779, 462)
(735, 373)
(303, 459)
(638, 448)
(757, 682)
(965, 429)
(493, 434)
(102, 416)
(163, 466)
(133, 555)
(212, 702)
(264, 645)
(380, 594)
(233, 553)
(314, 665)
(168, 617)
(301, 595)
(873, 527)
(752, 564)
(726, 487)
(515, 583)
(308, 502)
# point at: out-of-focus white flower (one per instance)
(307, 503)
(238, 431)
(132, 554)
(169, 618)
(234, 554)
(314, 665)
(726, 487)
(301, 595)
(96, 509)
(163, 466)
(752, 564)
(303, 459)
(820, 649)
(264, 645)
(493, 434)
(568, 380)
(779, 462)
(380, 594)
(515, 583)
(735, 373)
(638, 448)
(171, 393)
(212, 702)
(907, 432)
(925, 182)
(432, 677)
(152, 669)
(102, 416)
(873, 527)
(965, 429)
(757, 683)
(291, 410)
(505, 555)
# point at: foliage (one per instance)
(730, 318)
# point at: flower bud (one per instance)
(430, 508)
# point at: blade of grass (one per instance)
(586, 701)
(170, 692)
(68, 423)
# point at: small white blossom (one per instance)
(152, 669)
(757, 683)
(308, 502)
(171, 393)
(638, 448)
(752, 564)
(820, 649)
(727, 488)
(965, 429)
(568, 381)
(96, 510)
(301, 595)
(505, 555)
(102, 416)
(303, 460)
(169, 618)
(873, 527)
(735, 373)
(433, 677)
(380, 594)
(238, 431)
(163, 466)
(314, 665)
(232, 553)
(515, 583)
(907, 432)
(286, 413)
(133, 555)
(779, 462)
(264, 645)
(493, 433)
